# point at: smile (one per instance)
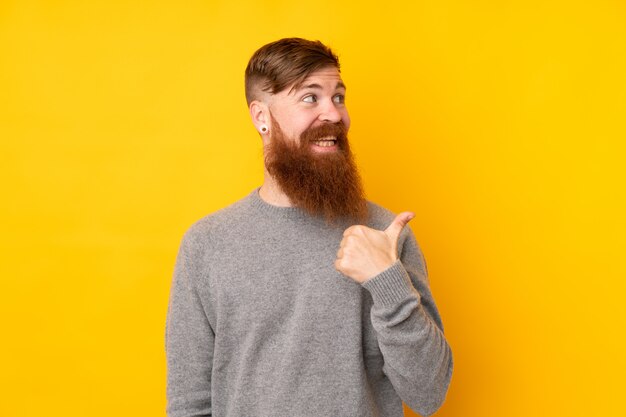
(326, 142)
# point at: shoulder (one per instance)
(214, 225)
(378, 216)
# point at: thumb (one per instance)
(396, 226)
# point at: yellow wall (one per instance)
(501, 124)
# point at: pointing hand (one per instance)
(365, 252)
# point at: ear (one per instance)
(259, 112)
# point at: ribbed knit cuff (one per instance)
(391, 286)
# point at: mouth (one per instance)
(326, 142)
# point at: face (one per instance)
(308, 154)
(320, 100)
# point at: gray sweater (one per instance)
(261, 324)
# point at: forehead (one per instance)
(325, 78)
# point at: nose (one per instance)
(330, 113)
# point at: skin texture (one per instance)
(291, 116)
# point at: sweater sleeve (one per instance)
(189, 339)
(417, 357)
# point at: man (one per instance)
(303, 299)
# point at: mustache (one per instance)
(313, 134)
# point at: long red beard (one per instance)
(324, 184)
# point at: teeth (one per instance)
(325, 143)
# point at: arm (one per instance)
(189, 339)
(418, 359)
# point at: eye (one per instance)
(339, 99)
(309, 99)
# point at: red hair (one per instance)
(285, 62)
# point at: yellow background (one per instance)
(501, 124)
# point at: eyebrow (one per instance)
(340, 84)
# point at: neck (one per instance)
(271, 193)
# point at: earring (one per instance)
(264, 129)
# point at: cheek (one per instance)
(290, 123)
(301, 122)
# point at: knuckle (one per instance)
(352, 239)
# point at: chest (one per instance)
(274, 295)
